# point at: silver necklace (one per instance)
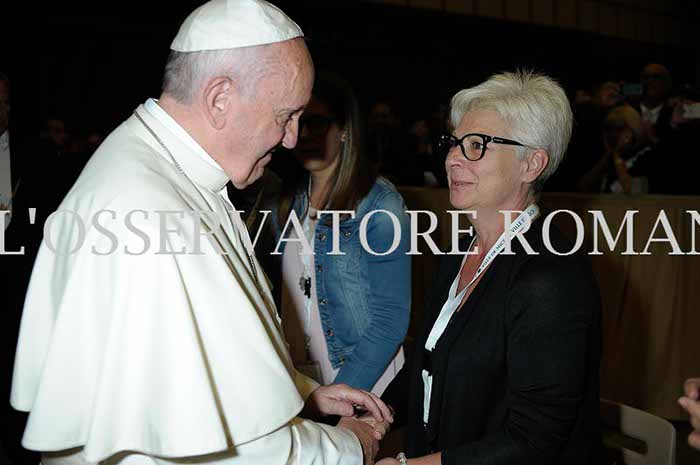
(179, 168)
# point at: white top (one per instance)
(5, 175)
(449, 307)
(162, 354)
(300, 314)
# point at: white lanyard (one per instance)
(524, 219)
(453, 301)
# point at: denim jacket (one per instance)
(363, 299)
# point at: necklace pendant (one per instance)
(305, 286)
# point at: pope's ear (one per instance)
(218, 101)
(535, 163)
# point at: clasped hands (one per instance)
(363, 413)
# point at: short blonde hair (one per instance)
(624, 117)
(534, 106)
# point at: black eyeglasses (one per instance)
(475, 144)
(314, 124)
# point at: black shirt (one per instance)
(515, 374)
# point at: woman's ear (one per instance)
(535, 163)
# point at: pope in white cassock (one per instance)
(141, 343)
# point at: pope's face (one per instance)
(270, 117)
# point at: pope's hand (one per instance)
(365, 434)
(691, 403)
(342, 400)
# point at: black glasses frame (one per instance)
(451, 141)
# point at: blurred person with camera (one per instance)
(586, 139)
(654, 106)
(671, 175)
(624, 164)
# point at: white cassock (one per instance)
(164, 355)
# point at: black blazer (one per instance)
(515, 374)
(15, 271)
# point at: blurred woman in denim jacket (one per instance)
(345, 314)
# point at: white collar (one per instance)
(195, 164)
(5, 139)
(652, 113)
(173, 126)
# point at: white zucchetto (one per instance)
(227, 24)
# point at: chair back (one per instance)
(635, 437)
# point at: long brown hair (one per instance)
(353, 177)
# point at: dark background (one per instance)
(98, 61)
(102, 60)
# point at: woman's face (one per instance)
(493, 182)
(320, 138)
(619, 139)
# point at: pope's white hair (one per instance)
(533, 105)
(186, 73)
